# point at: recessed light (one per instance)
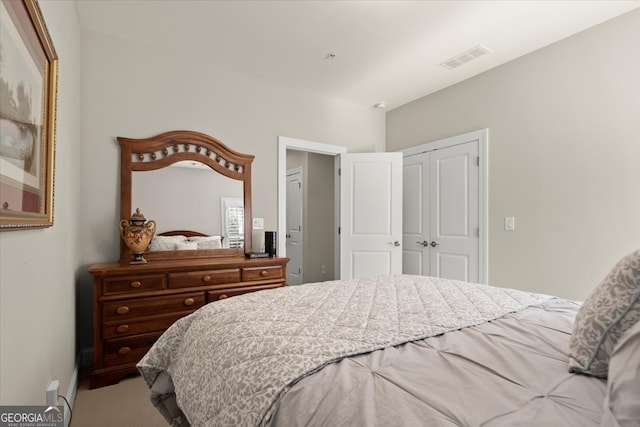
(379, 105)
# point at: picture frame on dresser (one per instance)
(28, 94)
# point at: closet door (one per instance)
(415, 215)
(453, 215)
(441, 213)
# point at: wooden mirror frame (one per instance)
(168, 148)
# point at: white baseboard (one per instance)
(71, 393)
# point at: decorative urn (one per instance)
(137, 232)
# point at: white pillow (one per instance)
(165, 243)
(611, 309)
(202, 238)
(181, 246)
(207, 242)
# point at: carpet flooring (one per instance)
(125, 404)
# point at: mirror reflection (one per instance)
(187, 196)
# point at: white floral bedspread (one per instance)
(232, 360)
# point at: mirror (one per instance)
(180, 179)
(163, 195)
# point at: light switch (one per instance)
(509, 223)
(258, 223)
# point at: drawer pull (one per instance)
(136, 284)
(189, 301)
(122, 329)
(264, 273)
(124, 350)
(206, 278)
(122, 309)
(223, 296)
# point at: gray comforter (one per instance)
(249, 360)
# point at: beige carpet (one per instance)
(125, 404)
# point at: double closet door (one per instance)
(441, 212)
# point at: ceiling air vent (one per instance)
(465, 57)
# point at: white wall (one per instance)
(135, 91)
(38, 267)
(564, 155)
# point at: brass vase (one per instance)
(137, 232)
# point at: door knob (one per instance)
(396, 243)
(434, 244)
(423, 243)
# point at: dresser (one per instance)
(134, 304)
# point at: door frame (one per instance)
(482, 135)
(286, 143)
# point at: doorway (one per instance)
(319, 250)
(385, 227)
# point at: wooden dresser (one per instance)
(134, 304)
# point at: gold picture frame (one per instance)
(28, 93)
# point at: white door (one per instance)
(454, 212)
(370, 214)
(294, 227)
(442, 213)
(415, 214)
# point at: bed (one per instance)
(403, 351)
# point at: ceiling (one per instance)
(363, 52)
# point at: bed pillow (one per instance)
(207, 242)
(612, 308)
(622, 404)
(165, 243)
(183, 246)
(203, 238)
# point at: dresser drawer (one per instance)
(122, 285)
(262, 273)
(126, 327)
(127, 309)
(201, 278)
(221, 294)
(127, 350)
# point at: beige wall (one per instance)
(564, 155)
(319, 243)
(136, 91)
(38, 267)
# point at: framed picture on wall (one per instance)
(28, 91)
